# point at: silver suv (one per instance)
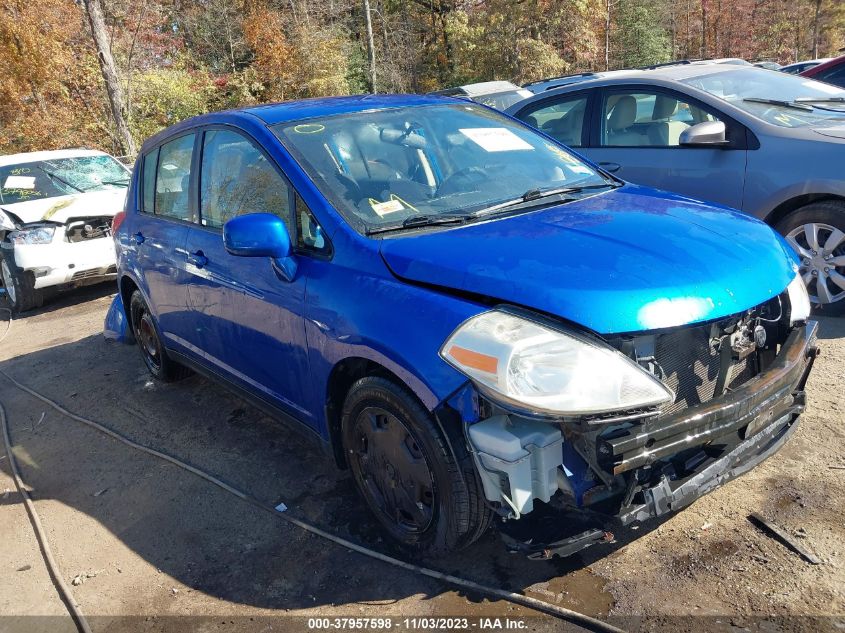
(766, 142)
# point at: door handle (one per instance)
(611, 167)
(198, 259)
(139, 237)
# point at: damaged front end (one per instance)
(562, 483)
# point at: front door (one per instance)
(248, 322)
(636, 136)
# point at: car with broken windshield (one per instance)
(56, 209)
(480, 325)
(767, 143)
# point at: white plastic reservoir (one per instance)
(526, 452)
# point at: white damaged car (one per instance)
(56, 210)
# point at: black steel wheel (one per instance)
(395, 474)
(422, 489)
(149, 342)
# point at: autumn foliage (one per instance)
(178, 58)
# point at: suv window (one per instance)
(173, 177)
(835, 76)
(561, 118)
(237, 179)
(647, 119)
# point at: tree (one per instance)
(113, 88)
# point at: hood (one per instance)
(627, 260)
(61, 208)
(835, 132)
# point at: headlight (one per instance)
(34, 235)
(799, 300)
(548, 371)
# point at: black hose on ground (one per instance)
(585, 621)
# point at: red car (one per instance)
(832, 72)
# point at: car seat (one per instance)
(621, 121)
(663, 131)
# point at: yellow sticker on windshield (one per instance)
(308, 128)
(385, 208)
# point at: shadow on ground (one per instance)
(209, 540)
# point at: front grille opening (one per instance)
(81, 229)
(691, 367)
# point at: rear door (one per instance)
(160, 231)
(248, 322)
(635, 133)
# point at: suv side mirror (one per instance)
(704, 134)
(257, 235)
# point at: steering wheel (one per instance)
(467, 176)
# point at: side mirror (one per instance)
(704, 134)
(257, 235)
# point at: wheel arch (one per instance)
(343, 375)
(796, 202)
(127, 286)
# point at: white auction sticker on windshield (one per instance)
(385, 208)
(20, 182)
(495, 139)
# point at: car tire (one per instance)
(147, 335)
(399, 459)
(20, 286)
(823, 220)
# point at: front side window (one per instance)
(60, 177)
(173, 179)
(777, 98)
(647, 119)
(237, 179)
(400, 165)
(561, 118)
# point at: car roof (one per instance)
(830, 63)
(31, 157)
(301, 109)
(479, 89)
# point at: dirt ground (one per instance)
(153, 541)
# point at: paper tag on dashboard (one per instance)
(19, 182)
(383, 208)
(495, 139)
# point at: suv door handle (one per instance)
(139, 237)
(198, 259)
(611, 167)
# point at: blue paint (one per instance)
(277, 320)
(116, 326)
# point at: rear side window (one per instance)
(150, 181)
(173, 178)
(237, 179)
(562, 119)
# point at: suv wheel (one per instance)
(428, 498)
(144, 328)
(817, 233)
(20, 286)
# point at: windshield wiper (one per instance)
(780, 102)
(54, 177)
(820, 100)
(115, 182)
(417, 221)
(534, 195)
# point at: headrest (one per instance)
(624, 113)
(664, 107)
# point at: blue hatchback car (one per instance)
(477, 322)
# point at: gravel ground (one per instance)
(147, 540)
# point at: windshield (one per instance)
(382, 168)
(60, 177)
(747, 89)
